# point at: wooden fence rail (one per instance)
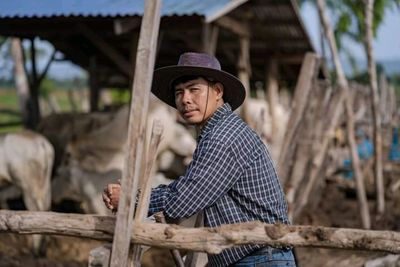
(210, 240)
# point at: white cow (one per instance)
(26, 159)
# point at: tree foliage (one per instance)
(348, 21)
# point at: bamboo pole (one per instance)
(210, 240)
(343, 84)
(144, 67)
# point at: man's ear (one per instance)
(219, 89)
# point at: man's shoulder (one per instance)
(232, 129)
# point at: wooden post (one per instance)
(160, 218)
(301, 96)
(244, 72)
(34, 109)
(210, 38)
(34, 75)
(21, 80)
(93, 85)
(314, 121)
(384, 103)
(272, 94)
(376, 112)
(144, 198)
(343, 84)
(318, 158)
(192, 257)
(144, 67)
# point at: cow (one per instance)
(26, 160)
(61, 128)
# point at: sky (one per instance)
(386, 45)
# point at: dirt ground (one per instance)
(337, 207)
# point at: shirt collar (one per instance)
(218, 115)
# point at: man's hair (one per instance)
(186, 78)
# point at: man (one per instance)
(231, 177)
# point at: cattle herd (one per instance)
(72, 156)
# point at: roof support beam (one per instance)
(114, 55)
(210, 38)
(125, 25)
(234, 26)
(229, 7)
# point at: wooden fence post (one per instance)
(144, 67)
(300, 98)
(144, 198)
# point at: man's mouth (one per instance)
(188, 112)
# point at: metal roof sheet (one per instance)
(106, 8)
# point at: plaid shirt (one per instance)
(231, 177)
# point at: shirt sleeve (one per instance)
(212, 172)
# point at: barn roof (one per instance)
(104, 32)
(108, 8)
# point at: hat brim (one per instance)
(234, 91)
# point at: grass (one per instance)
(9, 102)
(10, 111)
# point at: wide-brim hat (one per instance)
(197, 64)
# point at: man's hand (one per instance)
(111, 196)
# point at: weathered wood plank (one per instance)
(144, 198)
(210, 240)
(300, 99)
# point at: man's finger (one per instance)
(107, 201)
(110, 188)
(105, 197)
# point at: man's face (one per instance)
(192, 101)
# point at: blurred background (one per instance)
(66, 74)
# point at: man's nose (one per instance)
(186, 97)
